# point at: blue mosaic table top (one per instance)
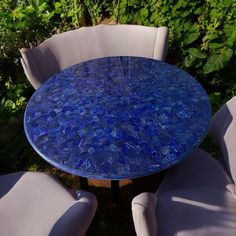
(117, 117)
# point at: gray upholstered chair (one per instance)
(197, 197)
(72, 47)
(35, 203)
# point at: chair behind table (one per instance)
(75, 46)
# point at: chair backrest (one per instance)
(223, 129)
(72, 47)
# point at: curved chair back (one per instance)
(72, 47)
(223, 129)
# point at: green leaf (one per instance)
(211, 37)
(43, 7)
(218, 61)
(216, 45)
(144, 13)
(29, 10)
(232, 39)
(227, 3)
(198, 10)
(191, 38)
(193, 55)
(197, 53)
(58, 7)
(215, 13)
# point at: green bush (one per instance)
(26, 23)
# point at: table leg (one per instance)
(115, 191)
(83, 182)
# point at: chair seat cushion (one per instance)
(196, 198)
(199, 211)
(38, 204)
(197, 171)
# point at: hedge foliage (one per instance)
(202, 37)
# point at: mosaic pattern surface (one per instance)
(117, 117)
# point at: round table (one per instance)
(117, 117)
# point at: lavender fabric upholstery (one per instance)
(72, 47)
(223, 130)
(196, 197)
(38, 204)
(144, 213)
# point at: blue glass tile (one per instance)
(117, 117)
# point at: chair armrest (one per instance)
(161, 45)
(30, 68)
(144, 214)
(78, 217)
